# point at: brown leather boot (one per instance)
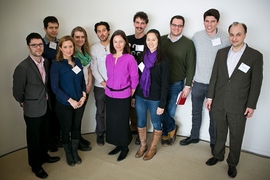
(152, 151)
(143, 147)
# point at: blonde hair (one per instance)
(59, 55)
(86, 46)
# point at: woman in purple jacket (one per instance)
(122, 72)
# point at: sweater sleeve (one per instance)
(191, 62)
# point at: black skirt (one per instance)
(118, 131)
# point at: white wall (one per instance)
(19, 18)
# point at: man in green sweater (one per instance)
(181, 52)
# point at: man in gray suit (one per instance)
(30, 89)
(233, 93)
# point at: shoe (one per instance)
(84, 141)
(123, 155)
(53, 147)
(100, 140)
(165, 141)
(212, 161)
(115, 150)
(232, 172)
(137, 141)
(40, 173)
(57, 141)
(52, 159)
(84, 147)
(172, 135)
(187, 141)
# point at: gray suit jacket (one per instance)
(29, 88)
(241, 90)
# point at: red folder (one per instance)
(180, 100)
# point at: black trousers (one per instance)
(70, 121)
(37, 134)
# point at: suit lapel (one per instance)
(224, 62)
(243, 58)
(34, 67)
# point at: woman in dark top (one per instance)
(68, 84)
(151, 92)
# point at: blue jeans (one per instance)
(168, 115)
(198, 94)
(141, 109)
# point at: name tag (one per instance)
(52, 45)
(139, 47)
(76, 69)
(243, 67)
(216, 42)
(141, 66)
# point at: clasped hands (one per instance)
(77, 104)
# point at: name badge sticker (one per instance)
(52, 45)
(141, 66)
(76, 69)
(216, 42)
(244, 68)
(139, 47)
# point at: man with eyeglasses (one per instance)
(136, 43)
(181, 52)
(50, 40)
(31, 90)
(207, 42)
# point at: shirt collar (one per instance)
(47, 41)
(41, 62)
(169, 37)
(241, 50)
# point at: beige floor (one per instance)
(170, 163)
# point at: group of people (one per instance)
(132, 75)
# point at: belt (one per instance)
(111, 89)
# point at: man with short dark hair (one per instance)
(50, 40)
(181, 54)
(99, 51)
(31, 90)
(233, 93)
(207, 42)
(136, 43)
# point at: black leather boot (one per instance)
(74, 146)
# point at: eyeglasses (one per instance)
(179, 26)
(36, 45)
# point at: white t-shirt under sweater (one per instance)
(98, 53)
(206, 49)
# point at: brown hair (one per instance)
(121, 33)
(59, 55)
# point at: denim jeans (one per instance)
(168, 115)
(141, 109)
(198, 94)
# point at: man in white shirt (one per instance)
(99, 51)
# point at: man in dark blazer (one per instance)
(234, 90)
(30, 89)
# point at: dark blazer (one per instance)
(29, 88)
(234, 94)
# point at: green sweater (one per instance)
(182, 58)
